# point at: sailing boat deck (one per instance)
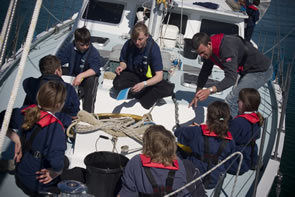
(167, 114)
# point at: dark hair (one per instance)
(256, 2)
(218, 115)
(200, 38)
(251, 101)
(50, 96)
(48, 64)
(159, 144)
(82, 35)
(139, 27)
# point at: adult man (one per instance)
(84, 64)
(141, 68)
(50, 69)
(235, 56)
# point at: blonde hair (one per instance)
(159, 144)
(139, 27)
(51, 95)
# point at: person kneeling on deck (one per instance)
(208, 144)
(236, 57)
(43, 140)
(158, 171)
(50, 69)
(84, 63)
(141, 68)
(245, 129)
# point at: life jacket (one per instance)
(253, 7)
(143, 68)
(45, 120)
(207, 157)
(215, 57)
(253, 119)
(158, 191)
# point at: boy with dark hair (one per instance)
(50, 69)
(84, 65)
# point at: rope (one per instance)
(211, 170)
(20, 72)
(176, 113)
(119, 126)
(6, 28)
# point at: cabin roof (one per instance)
(223, 8)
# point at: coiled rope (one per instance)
(118, 125)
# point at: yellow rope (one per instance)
(162, 1)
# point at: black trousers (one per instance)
(87, 91)
(148, 96)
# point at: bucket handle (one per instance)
(114, 142)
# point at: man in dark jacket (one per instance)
(50, 69)
(234, 56)
(84, 64)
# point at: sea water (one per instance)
(277, 24)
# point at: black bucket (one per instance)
(188, 51)
(103, 173)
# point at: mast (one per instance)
(155, 21)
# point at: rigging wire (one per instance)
(19, 72)
(6, 28)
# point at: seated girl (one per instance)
(158, 171)
(245, 129)
(208, 144)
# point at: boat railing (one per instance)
(285, 93)
(260, 158)
(211, 170)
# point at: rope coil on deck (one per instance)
(117, 125)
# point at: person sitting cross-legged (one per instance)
(141, 68)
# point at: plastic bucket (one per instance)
(103, 173)
(189, 52)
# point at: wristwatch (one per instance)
(145, 84)
(211, 90)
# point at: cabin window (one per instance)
(214, 27)
(103, 12)
(175, 20)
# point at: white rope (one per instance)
(209, 171)
(6, 28)
(20, 72)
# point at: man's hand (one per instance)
(137, 87)
(78, 80)
(201, 95)
(194, 102)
